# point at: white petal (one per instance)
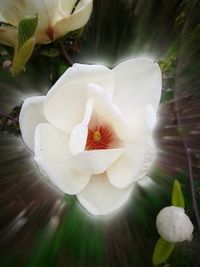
(99, 197)
(8, 35)
(85, 74)
(31, 115)
(132, 165)
(78, 137)
(66, 106)
(105, 112)
(51, 147)
(150, 156)
(142, 122)
(47, 11)
(67, 6)
(95, 161)
(14, 10)
(138, 82)
(65, 102)
(75, 21)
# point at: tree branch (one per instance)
(65, 54)
(3, 114)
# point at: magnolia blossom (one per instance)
(92, 132)
(174, 225)
(55, 18)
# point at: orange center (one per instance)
(99, 137)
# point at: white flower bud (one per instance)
(174, 225)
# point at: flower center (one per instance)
(98, 137)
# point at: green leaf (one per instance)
(26, 30)
(162, 251)
(22, 56)
(52, 52)
(177, 195)
(167, 95)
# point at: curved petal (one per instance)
(105, 112)
(31, 115)
(85, 74)
(47, 11)
(137, 82)
(66, 106)
(75, 21)
(65, 102)
(8, 35)
(67, 6)
(142, 122)
(99, 197)
(51, 147)
(14, 10)
(95, 161)
(78, 137)
(148, 160)
(131, 166)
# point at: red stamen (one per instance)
(99, 137)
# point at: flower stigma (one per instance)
(99, 137)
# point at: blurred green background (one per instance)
(40, 226)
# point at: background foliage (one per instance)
(42, 227)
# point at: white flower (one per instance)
(91, 133)
(174, 225)
(54, 18)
